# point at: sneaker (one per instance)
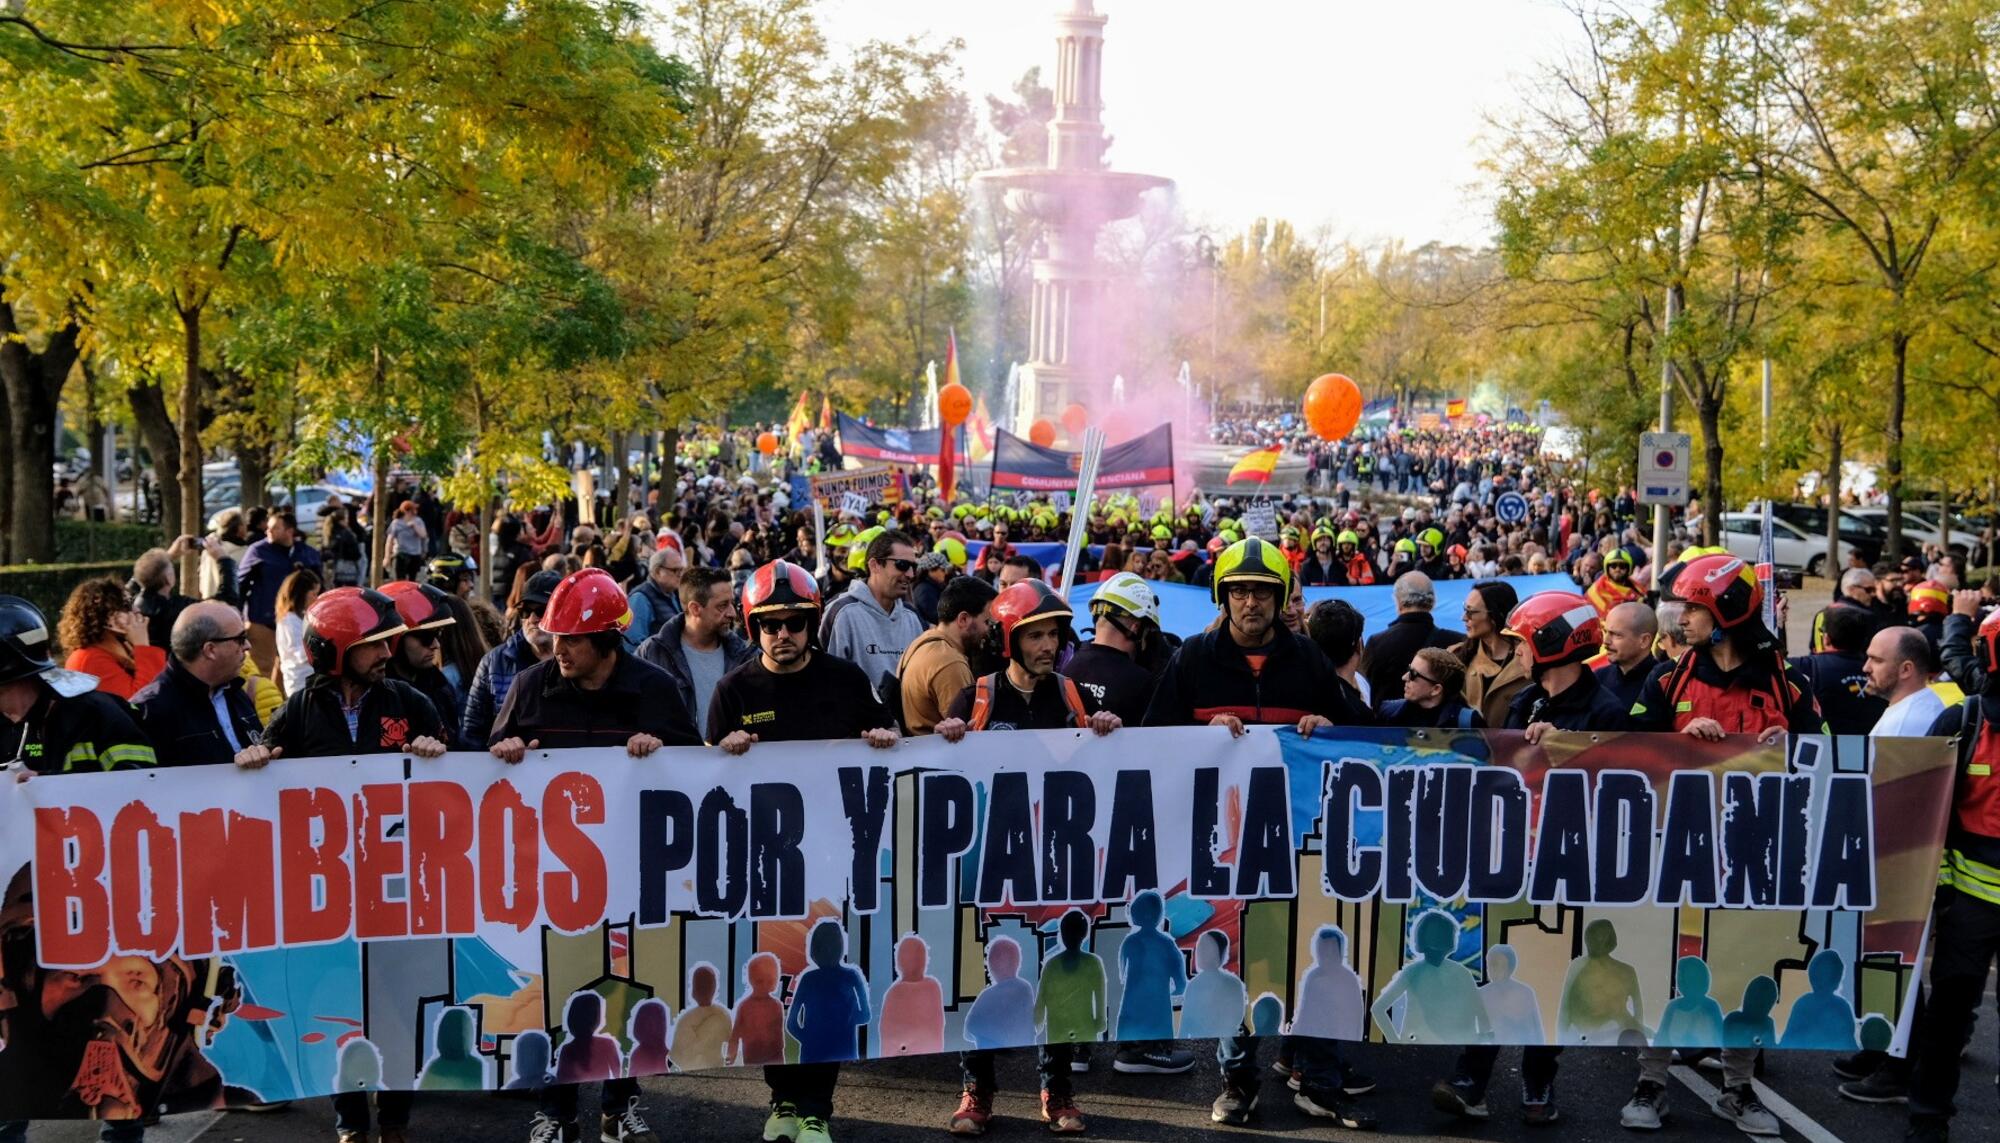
(973, 1111)
(1860, 1065)
(546, 1129)
(1079, 1060)
(1740, 1106)
(1283, 1067)
(628, 1126)
(1147, 1061)
(1711, 1058)
(783, 1123)
(1061, 1114)
(1647, 1109)
(1883, 1085)
(1355, 1083)
(362, 1137)
(1459, 1097)
(1323, 1104)
(1539, 1110)
(812, 1129)
(1235, 1105)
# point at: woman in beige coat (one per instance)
(1495, 668)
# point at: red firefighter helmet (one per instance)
(421, 606)
(343, 619)
(586, 603)
(1722, 585)
(1556, 627)
(778, 586)
(1030, 601)
(1930, 598)
(1987, 642)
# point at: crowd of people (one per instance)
(715, 613)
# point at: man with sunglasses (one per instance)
(197, 712)
(873, 623)
(791, 692)
(413, 655)
(1247, 670)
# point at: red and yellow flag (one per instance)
(979, 438)
(947, 460)
(1256, 466)
(1454, 408)
(826, 412)
(801, 418)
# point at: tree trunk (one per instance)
(1892, 465)
(253, 470)
(190, 436)
(670, 444)
(156, 429)
(621, 481)
(34, 383)
(6, 490)
(1831, 483)
(1709, 410)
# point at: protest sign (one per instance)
(875, 484)
(181, 939)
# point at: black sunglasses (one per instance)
(902, 565)
(241, 637)
(1413, 673)
(777, 624)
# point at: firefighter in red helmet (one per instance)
(413, 655)
(350, 704)
(791, 691)
(1733, 678)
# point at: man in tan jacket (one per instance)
(938, 665)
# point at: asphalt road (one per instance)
(906, 1102)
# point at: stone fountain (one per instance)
(1071, 345)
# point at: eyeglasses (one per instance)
(1413, 673)
(1251, 591)
(1471, 614)
(428, 635)
(241, 638)
(905, 566)
(783, 624)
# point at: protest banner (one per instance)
(874, 484)
(1142, 461)
(897, 446)
(180, 939)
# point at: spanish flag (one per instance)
(979, 441)
(800, 420)
(1256, 466)
(1454, 408)
(947, 468)
(826, 412)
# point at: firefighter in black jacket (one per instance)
(54, 721)
(350, 705)
(197, 712)
(1249, 669)
(591, 692)
(414, 654)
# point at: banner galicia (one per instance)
(1136, 463)
(897, 446)
(185, 939)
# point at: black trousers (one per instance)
(1538, 1067)
(1967, 938)
(559, 1100)
(807, 1087)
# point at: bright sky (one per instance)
(1363, 115)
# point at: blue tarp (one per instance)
(1185, 610)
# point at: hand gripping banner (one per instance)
(189, 938)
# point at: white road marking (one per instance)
(1807, 1127)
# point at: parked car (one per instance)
(1868, 536)
(1791, 546)
(1920, 526)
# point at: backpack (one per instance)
(982, 702)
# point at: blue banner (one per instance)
(897, 446)
(1186, 610)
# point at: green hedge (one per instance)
(48, 585)
(79, 542)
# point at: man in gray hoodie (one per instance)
(872, 624)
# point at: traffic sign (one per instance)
(1663, 468)
(1511, 507)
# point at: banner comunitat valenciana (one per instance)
(190, 938)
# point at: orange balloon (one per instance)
(1333, 406)
(954, 404)
(1042, 433)
(1074, 419)
(767, 443)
